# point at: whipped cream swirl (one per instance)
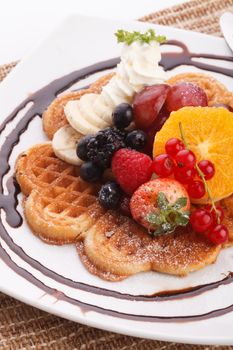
(139, 66)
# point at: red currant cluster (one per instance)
(181, 162)
(208, 220)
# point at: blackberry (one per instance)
(101, 148)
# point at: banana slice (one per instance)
(77, 120)
(86, 105)
(64, 144)
(103, 110)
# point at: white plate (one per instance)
(77, 43)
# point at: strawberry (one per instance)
(161, 205)
(131, 169)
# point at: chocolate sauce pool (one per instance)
(8, 202)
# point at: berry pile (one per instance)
(208, 221)
(97, 151)
(181, 163)
(125, 151)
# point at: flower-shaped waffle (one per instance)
(61, 208)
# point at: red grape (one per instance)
(185, 94)
(148, 103)
(154, 128)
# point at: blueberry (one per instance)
(136, 139)
(90, 172)
(110, 195)
(82, 147)
(122, 115)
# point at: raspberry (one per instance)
(131, 169)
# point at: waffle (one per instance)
(116, 244)
(54, 117)
(39, 168)
(227, 205)
(216, 92)
(57, 195)
(62, 208)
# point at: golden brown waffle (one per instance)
(118, 245)
(216, 91)
(54, 117)
(227, 205)
(58, 196)
(61, 215)
(61, 208)
(39, 168)
(105, 275)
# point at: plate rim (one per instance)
(48, 308)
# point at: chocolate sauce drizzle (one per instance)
(8, 202)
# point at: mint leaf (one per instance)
(180, 203)
(162, 201)
(124, 36)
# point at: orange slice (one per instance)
(209, 134)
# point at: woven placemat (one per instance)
(23, 327)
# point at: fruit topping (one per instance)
(196, 189)
(122, 115)
(148, 103)
(136, 139)
(209, 135)
(102, 146)
(185, 94)
(185, 159)
(82, 147)
(163, 165)
(173, 146)
(90, 172)
(131, 169)
(217, 214)
(160, 205)
(110, 195)
(207, 168)
(201, 220)
(219, 234)
(184, 175)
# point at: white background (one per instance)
(24, 22)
